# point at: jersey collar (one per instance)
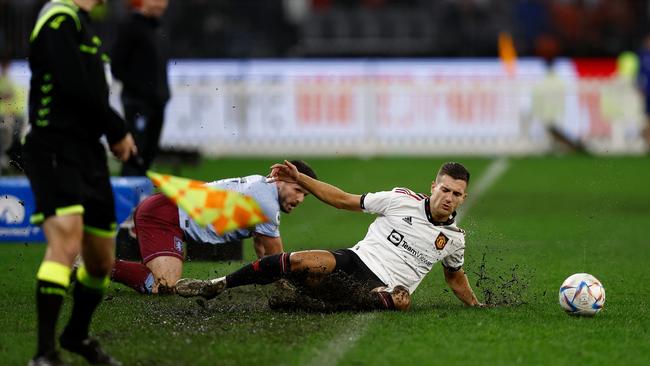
(427, 210)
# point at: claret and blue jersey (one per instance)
(255, 186)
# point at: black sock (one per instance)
(88, 293)
(49, 297)
(53, 278)
(262, 271)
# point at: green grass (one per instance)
(549, 216)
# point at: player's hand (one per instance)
(125, 148)
(285, 172)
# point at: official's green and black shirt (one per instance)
(68, 98)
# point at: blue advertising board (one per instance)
(17, 205)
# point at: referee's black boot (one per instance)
(89, 349)
(49, 359)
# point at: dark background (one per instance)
(370, 28)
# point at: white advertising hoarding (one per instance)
(384, 107)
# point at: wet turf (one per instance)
(543, 220)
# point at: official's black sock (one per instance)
(88, 293)
(262, 271)
(53, 279)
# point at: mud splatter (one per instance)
(16, 165)
(507, 287)
(337, 292)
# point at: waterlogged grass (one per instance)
(543, 220)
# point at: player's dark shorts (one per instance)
(157, 228)
(70, 177)
(349, 262)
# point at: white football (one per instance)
(582, 294)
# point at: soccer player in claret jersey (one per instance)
(161, 228)
(411, 233)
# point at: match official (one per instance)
(139, 60)
(66, 166)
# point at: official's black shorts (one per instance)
(71, 178)
(349, 262)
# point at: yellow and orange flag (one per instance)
(225, 210)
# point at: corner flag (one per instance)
(225, 210)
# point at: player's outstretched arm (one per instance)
(457, 281)
(325, 192)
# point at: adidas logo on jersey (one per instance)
(408, 220)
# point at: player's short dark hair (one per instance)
(454, 170)
(304, 168)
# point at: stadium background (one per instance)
(370, 78)
(376, 94)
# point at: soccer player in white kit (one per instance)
(410, 234)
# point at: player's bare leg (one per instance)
(313, 264)
(98, 254)
(92, 282)
(167, 271)
(64, 235)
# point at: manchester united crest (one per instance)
(441, 241)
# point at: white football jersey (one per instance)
(404, 242)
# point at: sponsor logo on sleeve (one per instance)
(441, 241)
